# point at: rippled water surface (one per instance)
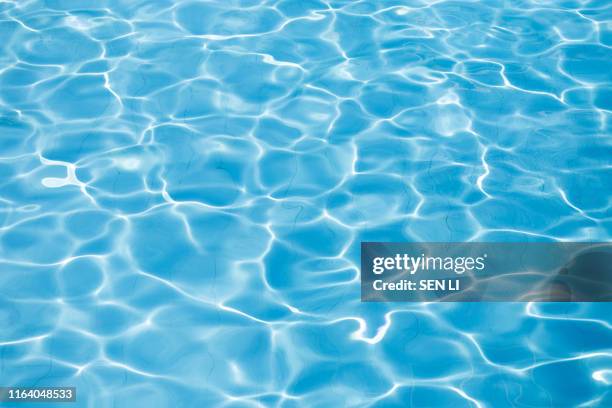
(184, 186)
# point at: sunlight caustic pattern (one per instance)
(185, 185)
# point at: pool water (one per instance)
(185, 185)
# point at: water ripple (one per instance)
(185, 185)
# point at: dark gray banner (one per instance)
(486, 272)
(37, 394)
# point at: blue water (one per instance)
(185, 184)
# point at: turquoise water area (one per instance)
(184, 186)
